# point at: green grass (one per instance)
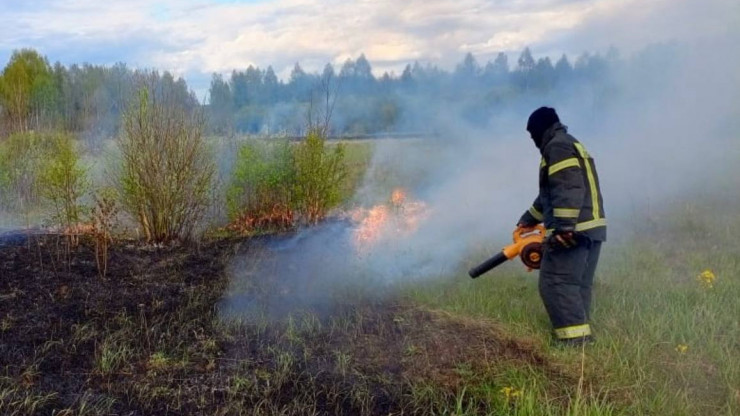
(356, 157)
(666, 343)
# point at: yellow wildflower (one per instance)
(511, 393)
(707, 278)
(682, 348)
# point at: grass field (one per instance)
(150, 338)
(668, 341)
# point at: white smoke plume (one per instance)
(669, 132)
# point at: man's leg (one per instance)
(588, 276)
(560, 288)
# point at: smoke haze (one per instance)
(667, 136)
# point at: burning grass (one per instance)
(400, 216)
(148, 339)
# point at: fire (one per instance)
(398, 197)
(399, 217)
(371, 226)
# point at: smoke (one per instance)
(664, 132)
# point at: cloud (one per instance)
(200, 36)
(633, 24)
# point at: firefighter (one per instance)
(571, 207)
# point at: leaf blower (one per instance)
(527, 245)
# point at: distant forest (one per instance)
(89, 99)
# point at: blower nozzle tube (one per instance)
(487, 265)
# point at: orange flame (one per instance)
(399, 218)
(371, 225)
(398, 197)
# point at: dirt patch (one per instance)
(148, 339)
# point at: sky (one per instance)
(196, 38)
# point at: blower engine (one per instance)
(527, 245)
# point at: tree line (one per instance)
(90, 99)
(255, 101)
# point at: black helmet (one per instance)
(541, 120)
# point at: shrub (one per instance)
(30, 168)
(103, 217)
(166, 172)
(20, 159)
(260, 196)
(63, 181)
(276, 184)
(320, 172)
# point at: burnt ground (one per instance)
(148, 339)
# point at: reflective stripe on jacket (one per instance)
(570, 196)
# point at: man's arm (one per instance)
(533, 215)
(567, 189)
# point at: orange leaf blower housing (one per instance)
(527, 245)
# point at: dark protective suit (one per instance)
(569, 199)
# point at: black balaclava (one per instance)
(541, 120)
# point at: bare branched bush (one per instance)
(103, 216)
(167, 171)
(321, 104)
(320, 170)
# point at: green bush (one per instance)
(166, 172)
(63, 181)
(277, 184)
(39, 171)
(260, 195)
(19, 160)
(320, 172)
(22, 159)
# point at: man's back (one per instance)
(569, 185)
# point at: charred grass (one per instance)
(148, 339)
(73, 343)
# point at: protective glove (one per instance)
(564, 238)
